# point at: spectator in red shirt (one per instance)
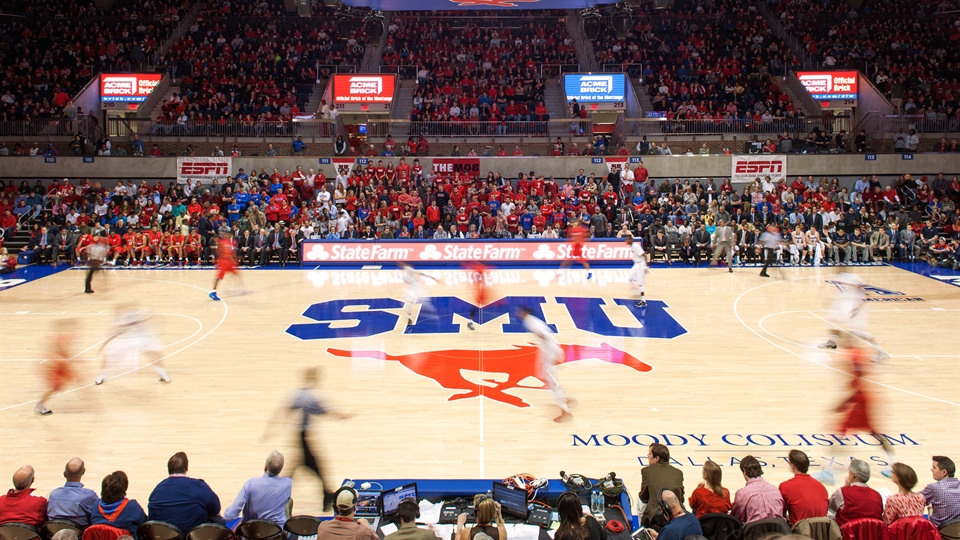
(710, 496)
(19, 505)
(803, 496)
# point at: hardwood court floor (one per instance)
(745, 377)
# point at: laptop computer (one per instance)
(513, 501)
(390, 500)
(368, 507)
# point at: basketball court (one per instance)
(718, 366)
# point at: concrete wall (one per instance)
(561, 167)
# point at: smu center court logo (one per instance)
(505, 368)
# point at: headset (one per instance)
(664, 507)
(409, 502)
(337, 493)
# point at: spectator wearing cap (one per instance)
(342, 526)
(20, 505)
(943, 495)
(803, 496)
(855, 499)
(758, 499)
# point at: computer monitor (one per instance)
(368, 503)
(512, 501)
(362, 129)
(390, 500)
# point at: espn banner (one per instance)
(202, 168)
(455, 251)
(748, 168)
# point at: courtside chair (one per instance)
(818, 528)
(721, 526)
(103, 532)
(18, 531)
(54, 526)
(210, 531)
(159, 530)
(259, 529)
(913, 528)
(302, 526)
(763, 527)
(865, 529)
(950, 531)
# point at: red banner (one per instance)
(128, 87)
(507, 251)
(363, 88)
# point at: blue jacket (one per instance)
(183, 502)
(131, 517)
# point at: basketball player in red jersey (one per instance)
(858, 409)
(577, 234)
(478, 275)
(57, 368)
(226, 260)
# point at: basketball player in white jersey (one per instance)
(549, 355)
(848, 313)
(797, 245)
(132, 337)
(413, 291)
(638, 272)
(814, 245)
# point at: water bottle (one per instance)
(596, 503)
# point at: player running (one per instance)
(857, 409)
(226, 260)
(478, 275)
(131, 338)
(848, 314)
(549, 355)
(58, 370)
(638, 273)
(577, 234)
(413, 290)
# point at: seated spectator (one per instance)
(710, 496)
(72, 501)
(343, 526)
(905, 503)
(758, 499)
(658, 475)
(855, 499)
(181, 501)
(680, 524)
(114, 508)
(20, 505)
(264, 497)
(803, 496)
(943, 495)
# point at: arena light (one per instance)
(622, 20)
(591, 23)
(304, 7)
(331, 3)
(346, 22)
(374, 27)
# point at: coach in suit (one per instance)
(654, 477)
(65, 243)
(245, 247)
(274, 245)
(258, 254)
(725, 239)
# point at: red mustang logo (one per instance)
(518, 363)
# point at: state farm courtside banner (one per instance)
(457, 251)
(205, 169)
(748, 168)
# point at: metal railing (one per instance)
(308, 129)
(549, 128)
(795, 126)
(555, 70)
(634, 69)
(40, 127)
(407, 71)
(891, 123)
